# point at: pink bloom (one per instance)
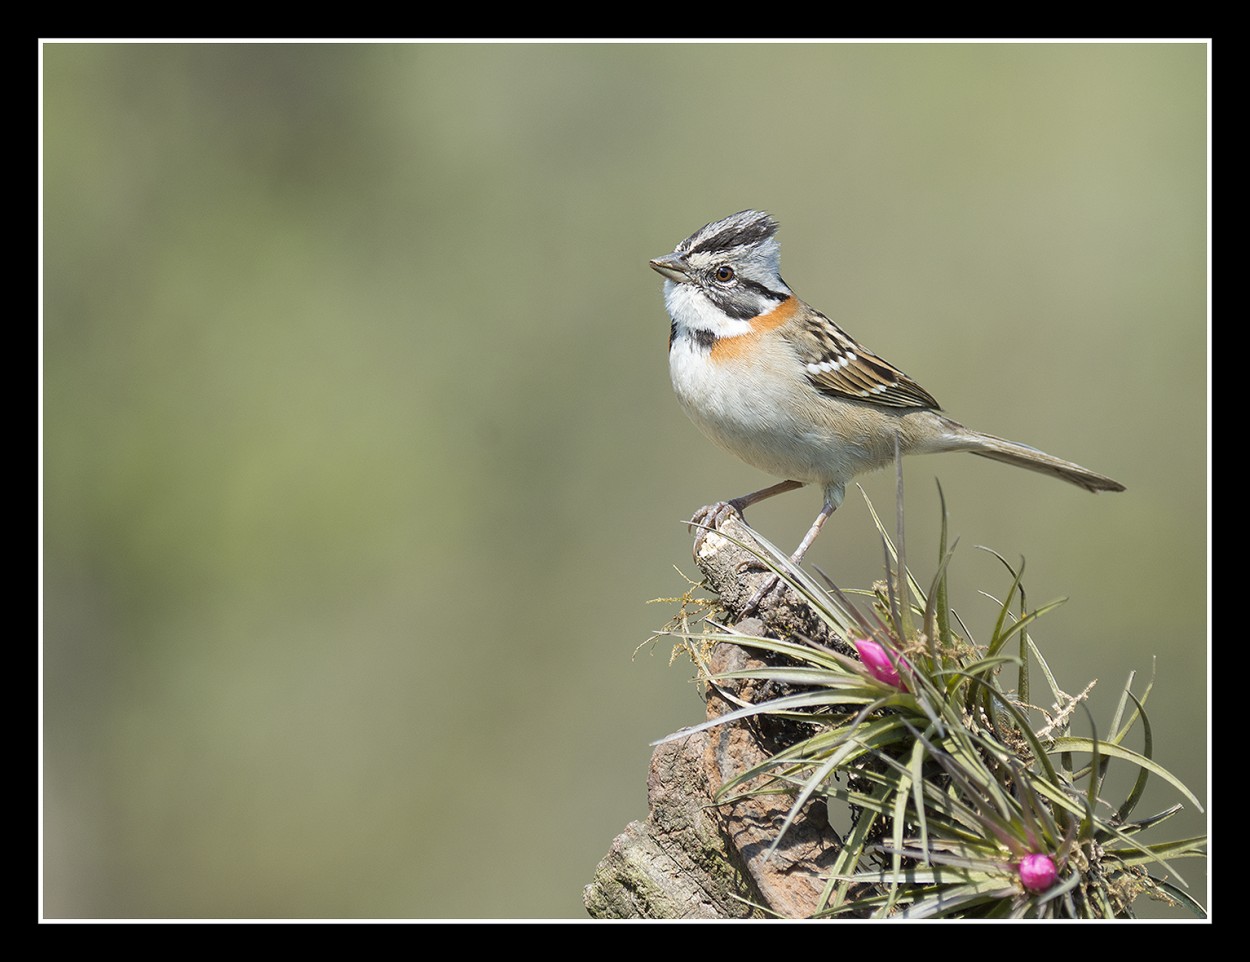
(1038, 872)
(878, 663)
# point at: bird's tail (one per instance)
(1021, 455)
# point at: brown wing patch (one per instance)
(836, 364)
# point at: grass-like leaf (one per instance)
(949, 786)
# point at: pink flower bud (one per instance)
(878, 663)
(1038, 872)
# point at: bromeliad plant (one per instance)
(959, 806)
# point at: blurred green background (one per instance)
(361, 461)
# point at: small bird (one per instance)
(776, 382)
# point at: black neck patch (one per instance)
(702, 339)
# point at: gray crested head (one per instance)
(750, 234)
(725, 272)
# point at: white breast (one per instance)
(748, 407)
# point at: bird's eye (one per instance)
(724, 273)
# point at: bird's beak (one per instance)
(673, 267)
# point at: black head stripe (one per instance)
(735, 231)
(742, 307)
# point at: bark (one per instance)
(691, 857)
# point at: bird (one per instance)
(774, 381)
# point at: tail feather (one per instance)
(1023, 456)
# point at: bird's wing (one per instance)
(835, 364)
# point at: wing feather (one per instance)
(837, 365)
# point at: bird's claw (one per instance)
(710, 517)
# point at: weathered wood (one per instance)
(693, 857)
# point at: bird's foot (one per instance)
(773, 581)
(710, 517)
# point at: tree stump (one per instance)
(692, 857)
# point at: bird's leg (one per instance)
(833, 498)
(825, 511)
(710, 517)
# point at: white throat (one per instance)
(691, 310)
